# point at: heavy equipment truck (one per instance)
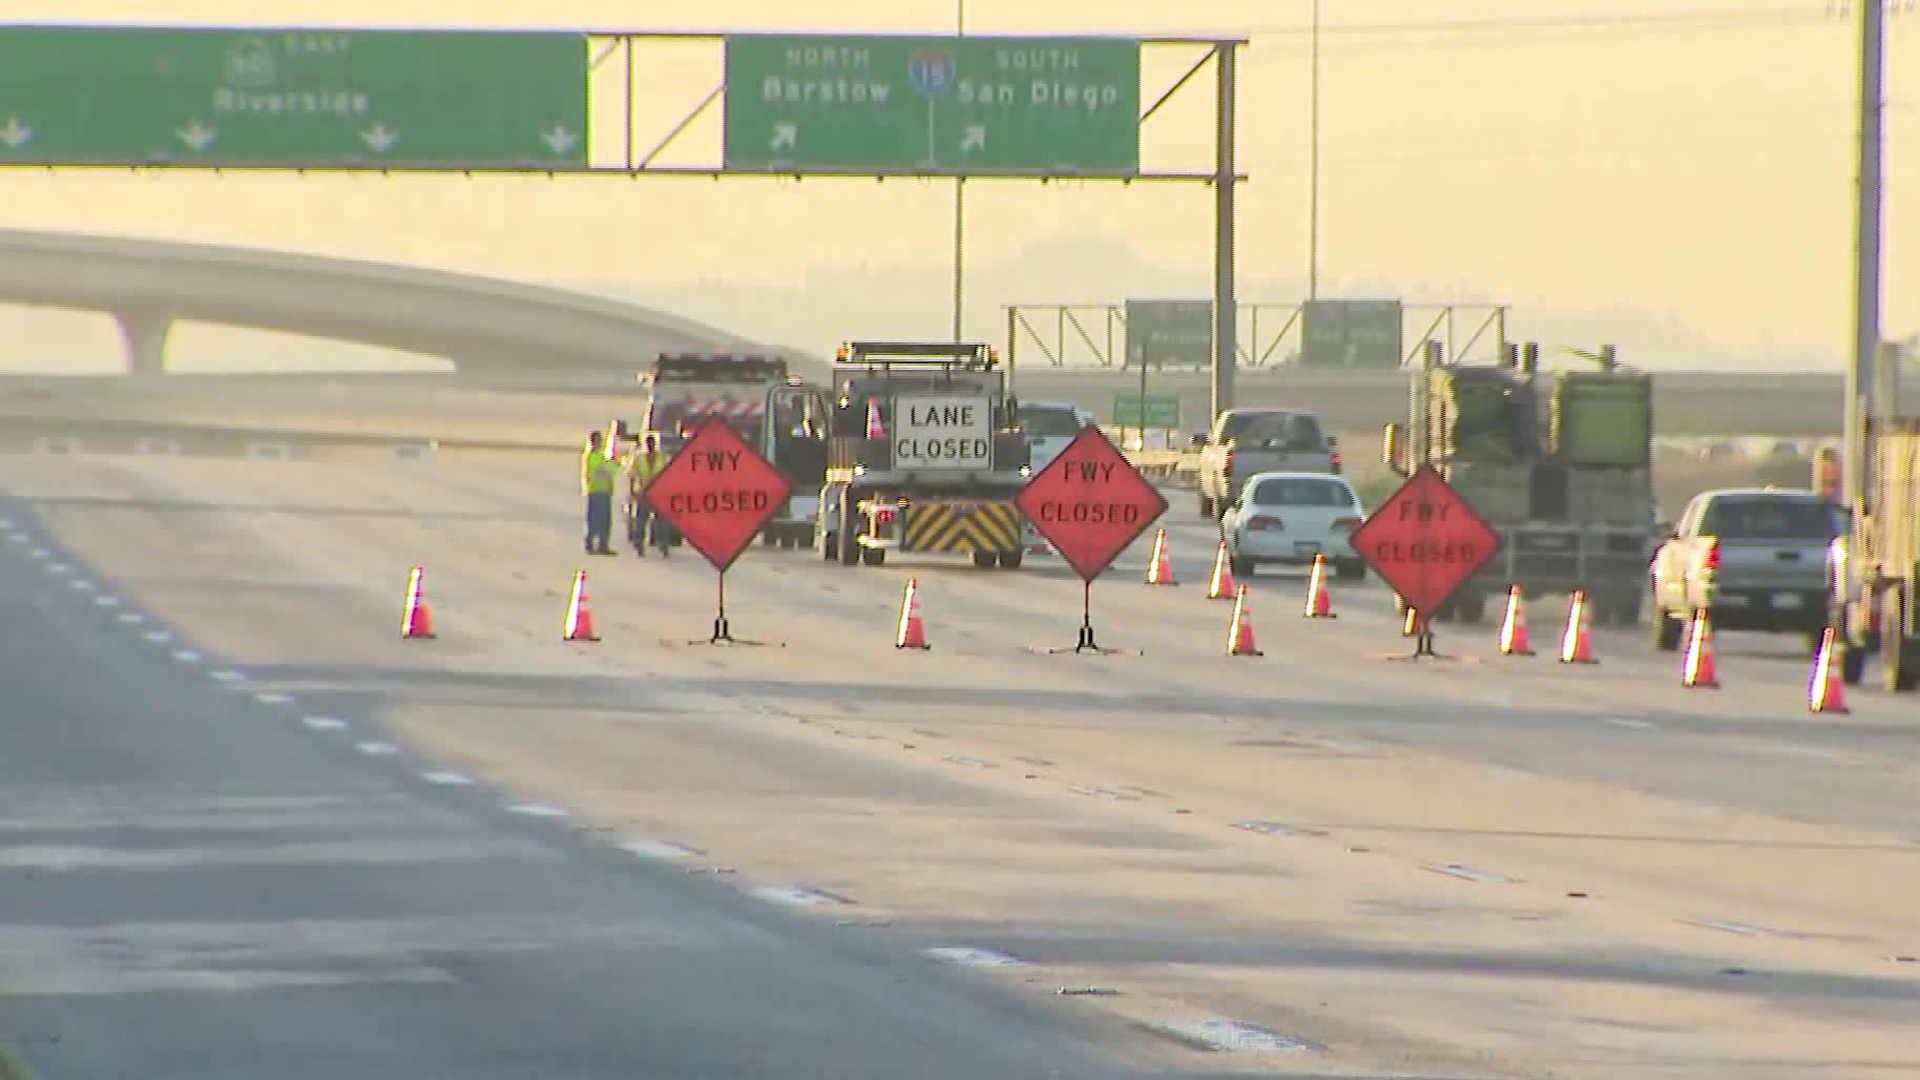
(924, 456)
(1564, 476)
(1875, 564)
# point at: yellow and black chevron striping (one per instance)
(962, 526)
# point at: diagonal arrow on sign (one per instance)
(379, 138)
(197, 135)
(15, 134)
(559, 139)
(785, 136)
(974, 138)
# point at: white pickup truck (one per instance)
(1754, 558)
(1248, 441)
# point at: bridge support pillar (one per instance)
(144, 333)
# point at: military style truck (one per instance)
(924, 455)
(1875, 565)
(1562, 473)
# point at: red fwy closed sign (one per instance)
(1090, 503)
(1425, 541)
(717, 491)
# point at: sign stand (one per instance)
(1086, 643)
(722, 631)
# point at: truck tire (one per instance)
(1667, 630)
(1899, 654)
(873, 556)
(985, 560)
(849, 550)
(1010, 560)
(1853, 663)
(1207, 511)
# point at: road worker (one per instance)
(645, 524)
(598, 474)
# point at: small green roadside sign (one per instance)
(1162, 411)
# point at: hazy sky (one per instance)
(1701, 168)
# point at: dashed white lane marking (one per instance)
(272, 698)
(58, 568)
(966, 956)
(37, 553)
(158, 637)
(106, 601)
(226, 675)
(324, 723)
(449, 779)
(81, 585)
(131, 618)
(186, 656)
(659, 849)
(17, 538)
(376, 749)
(1636, 725)
(538, 810)
(796, 894)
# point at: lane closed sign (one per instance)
(942, 432)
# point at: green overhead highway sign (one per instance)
(1350, 333)
(1044, 105)
(1163, 332)
(1162, 411)
(292, 97)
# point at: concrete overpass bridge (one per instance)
(482, 324)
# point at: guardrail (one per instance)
(1174, 466)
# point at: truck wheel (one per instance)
(830, 546)
(1207, 512)
(1667, 630)
(985, 560)
(1853, 663)
(1010, 560)
(849, 549)
(1899, 654)
(873, 556)
(769, 538)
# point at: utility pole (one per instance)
(959, 210)
(1862, 373)
(1313, 155)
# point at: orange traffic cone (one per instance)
(1826, 693)
(1513, 629)
(1220, 586)
(417, 620)
(1576, 645)
(875, 428)
(579, 625)
(1160, 568)
(1319, 603)
(913, 628)
(1698, 671)
(1240, 633)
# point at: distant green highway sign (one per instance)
(1176, 332)
(292, 97)
(1162, 411)
(901, 104)
(1351, 333)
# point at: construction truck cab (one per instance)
(924, 455)
(771, 409)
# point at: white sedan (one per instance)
(1289, 517)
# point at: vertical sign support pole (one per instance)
(1086, 618)
(721, 632)
(1866, 253)
(1225, 317)
(959, 209)
(1313, 159)
(1143, 401)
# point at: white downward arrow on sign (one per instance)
(559, 139)
(785, 135)
(379, 139)
(15, 134)
(197, 135)
(974, 138)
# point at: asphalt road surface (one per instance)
(248, 827)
